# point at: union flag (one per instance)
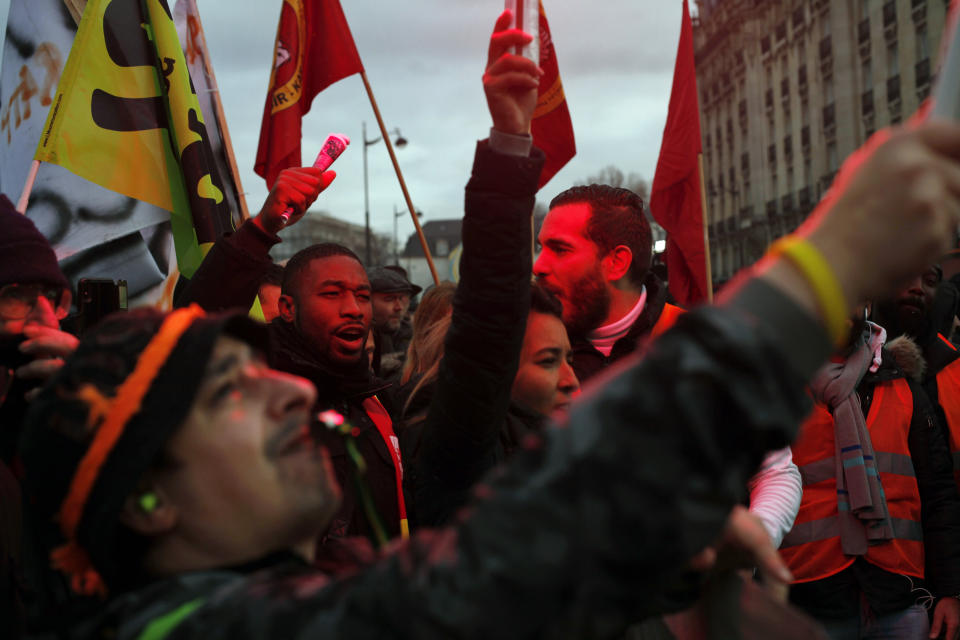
(314, 49)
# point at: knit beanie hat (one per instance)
(25, 255)
(104, 419)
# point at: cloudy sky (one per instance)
(424, 59)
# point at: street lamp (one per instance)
(396, 247)
(400, 142)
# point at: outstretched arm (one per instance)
(458, 440)
(230, 275)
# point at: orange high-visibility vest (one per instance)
(812, 549)
(948, 397)
(667, 317)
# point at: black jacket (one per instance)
(466, 431)
(344, 390)
(575, 536)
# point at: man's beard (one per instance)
(905, 320)
(589, 304)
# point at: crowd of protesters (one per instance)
(348, 469)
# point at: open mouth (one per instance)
(913, 305)
(352, 334)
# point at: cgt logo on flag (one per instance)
(287, 74)
(313, 50)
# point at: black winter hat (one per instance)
(25, 255)
(390, 280)
(134, 375)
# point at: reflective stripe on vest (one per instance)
(812, 549)
(948, 397)
(886, 463)
(824, 528)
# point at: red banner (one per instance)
(314, 49)
(675, 199)
(551, 127)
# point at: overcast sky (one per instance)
(424, 59)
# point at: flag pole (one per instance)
(222, 118)
(28, 187)
(75, 7)
(403, 185)
(706, 231)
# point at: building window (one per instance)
(798, 17)
(866, 71)
(893, 60)
(832, 160)
(923, 44)
(443, 247)
(864, 9)
(889, 13)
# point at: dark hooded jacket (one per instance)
(344, 390)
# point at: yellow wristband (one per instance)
(819, 274)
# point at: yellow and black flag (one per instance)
(126, 117)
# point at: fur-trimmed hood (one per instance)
(908, 356)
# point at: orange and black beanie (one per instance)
(104, 420)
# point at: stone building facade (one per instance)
(320, 226)
(788, 89)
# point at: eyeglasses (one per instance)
(17, 301)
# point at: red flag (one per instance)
(675, 199)
(314, 49)
(551, 127)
